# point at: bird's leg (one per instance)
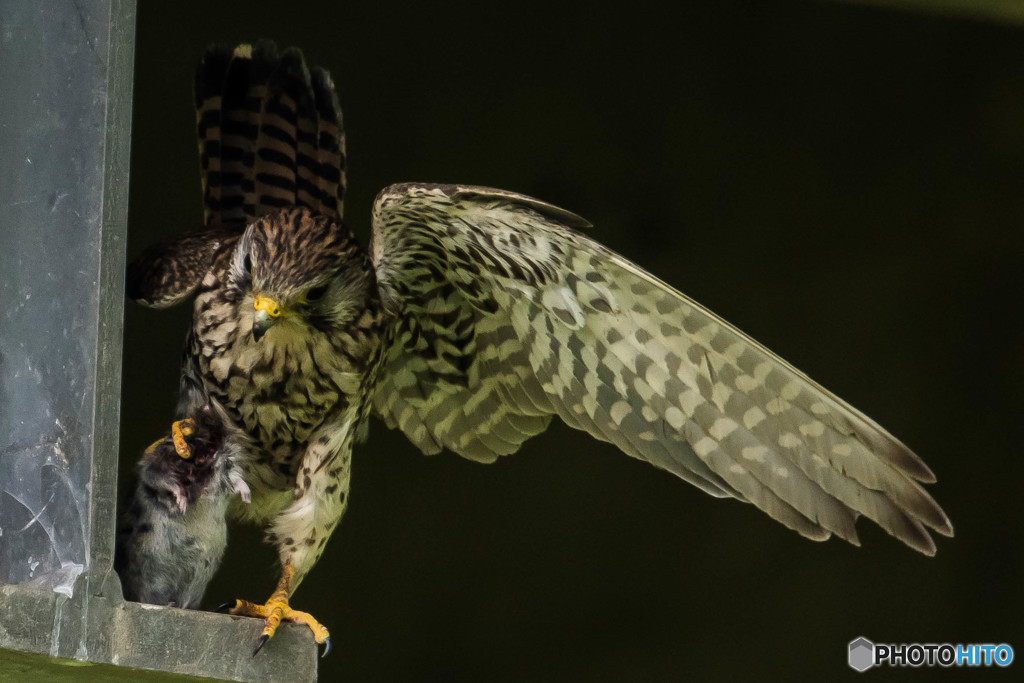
(277, 609)
(180, 431)
(302, 529)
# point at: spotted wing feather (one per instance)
(508, 315)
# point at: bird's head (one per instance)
(298, 268)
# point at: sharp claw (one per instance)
(226, 606)
(259, 645)
(327, 647)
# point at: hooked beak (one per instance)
(267, 313)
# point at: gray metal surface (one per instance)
(54, 72)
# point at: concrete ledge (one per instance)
(209, 644)
(166, 639)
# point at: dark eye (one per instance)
(316, 293)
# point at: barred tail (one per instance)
(270, 134)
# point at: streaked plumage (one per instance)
(476, 316)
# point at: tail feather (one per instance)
(270, 135)
(330, 144)
(209, 84)
(239, 115)
(278, 143)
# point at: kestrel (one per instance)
(475, 316)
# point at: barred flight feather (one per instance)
(508, 315)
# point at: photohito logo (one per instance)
(863, 654)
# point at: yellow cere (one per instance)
(268, 305)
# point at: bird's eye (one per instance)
(316, 293)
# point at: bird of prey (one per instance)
(173, 534)
(473, 318)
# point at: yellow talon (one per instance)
(180, 431)
(277, 610)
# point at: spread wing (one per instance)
(270, 136)
(506, 315)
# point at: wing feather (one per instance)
(506, 315)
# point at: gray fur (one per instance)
(173, 534)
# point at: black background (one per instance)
(844, 184)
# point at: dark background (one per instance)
(844, 184)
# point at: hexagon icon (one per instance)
(862, 654)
